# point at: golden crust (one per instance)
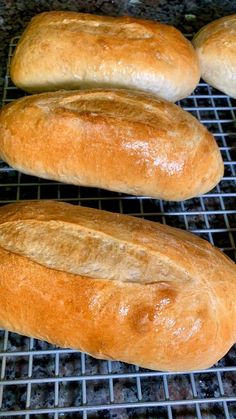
(174, 323)
(215, 45)
(118, 140)
(68, 50)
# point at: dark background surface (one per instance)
(187, 15)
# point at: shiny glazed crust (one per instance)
(117, 140)
(182, 318)
(215, 45)
(68, 50)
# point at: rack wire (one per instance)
(38, 380)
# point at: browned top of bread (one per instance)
(119, 140)
(215, 44)
(70, 50)
(102, 244)
(164, 299)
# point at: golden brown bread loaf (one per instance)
(118, 140)
(150, 294)
(68, 50)
(215, 45)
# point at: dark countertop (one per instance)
(187, 15)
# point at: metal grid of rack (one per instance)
(38, 380)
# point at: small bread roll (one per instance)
(118, 140)
(215, 45)
(68, 50)
(114, 286)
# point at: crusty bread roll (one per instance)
(150, 294)
(215, 45)
(68, 50)
(118, 140)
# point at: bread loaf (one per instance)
(68, 50)
(114, 286)
(113, 139)
(215, 45)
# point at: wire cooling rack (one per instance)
(38, 380)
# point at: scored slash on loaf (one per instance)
(118, 140)
(115, 286)
(68, 50)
